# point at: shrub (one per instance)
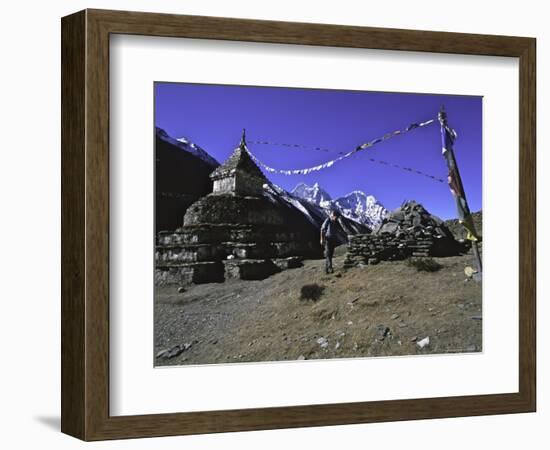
(424, 264)
(311, 292)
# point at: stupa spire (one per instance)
(238, 175)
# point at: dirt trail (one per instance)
(365, 311)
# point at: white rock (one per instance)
(423, 342)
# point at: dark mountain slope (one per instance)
(181, 178)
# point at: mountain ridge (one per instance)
(181, 178)
(188, 146)
(356, 205)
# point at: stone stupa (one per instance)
(237, 231)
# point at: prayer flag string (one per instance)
(342, 156)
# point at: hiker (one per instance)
(329, 237)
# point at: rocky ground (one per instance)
(386, 309)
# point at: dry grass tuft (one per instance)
(311, 292)
(424, 264)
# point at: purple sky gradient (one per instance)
(213, 116)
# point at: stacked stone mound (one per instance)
(235, 232)
(407, 231)
(458, 230)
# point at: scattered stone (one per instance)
(402, 324)
(301, 358)
(292, 262)
(414, 338)
(382, 332)
(350, 322)
(394, 316)
(323, 342)
(181, 290)
(174, 351)
(477, 317)
(423, 342)
(338, 275)
(337, 346)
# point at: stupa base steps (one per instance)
(258, 269)
(179, 254)
(220, 271)
(197, 272)
(249, 269)
(218, 233)
(209, 253)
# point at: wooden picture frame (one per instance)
(85, 224)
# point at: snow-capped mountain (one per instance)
(361, 207)
(313, 212)
(314, 194)
(356, 205)
(197, 151)
(188, 146)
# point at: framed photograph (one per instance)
(273, 225)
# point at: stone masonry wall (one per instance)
(408, 231)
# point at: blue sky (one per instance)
(213, 117)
